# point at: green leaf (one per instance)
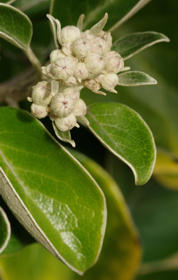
(94, 11)
(15, 26)
(124, 133)
(5, 230)
(50, 193)
(134, 43)
(135, 78)
(121, 253)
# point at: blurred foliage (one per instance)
(154, 207)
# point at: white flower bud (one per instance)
(56, 54)
(113, 62)
(80, 108)
(67, 49)
(72, 92)
(39, 111)
(98, 46)
(87, 35)
(41, 93)
(93, 85)
(70, 34)
(67, 123)
(94, 63)
(106, 36)
(81, 47)
(109, 81)
(63, 68)
(71, 81)
(81, 72)
(46, 70)
(62, 105)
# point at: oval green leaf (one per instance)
(49, 192)
(15, 26)
(5, 230)
(94, 11)
(124, 133)
(135, 78)
(134, 43)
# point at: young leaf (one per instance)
(94, 11)
(15, 26)
(54, 29)
(5, 230)
(123, 132)
(134, 43)
(64, 136)
(49, 192)
(135, 78)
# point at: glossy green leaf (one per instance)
(5, 230)
(50, 193)
(94, 11)
(134, 43)
(121, 253)
(123, 132)
(135, 78)
(15, 26)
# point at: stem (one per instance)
(34, 61)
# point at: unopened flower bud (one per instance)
(70, 34)
(63, 68)
(81, 47)
(93, 85)
(98, 46)
(39, 111)
(81, 72)
(62, 105)
(72, 92)
(106, 36)
(67, 49)
(80, 108)
(56, 54)
(109, 81)
(67, 123)
(71, 81)
(94, 63)
(41, 93)
(114, 62)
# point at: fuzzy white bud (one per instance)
(41, 93)
(70, 34)
(80, 108)
(109, 81)
(81, 47)
(72, 92)
(93, 85)
(98, 46)
(106, 36)
(114, 62)
(81, 72)
(94, 63)
(67, 123)
(62, 105)
(56, 54)
(63, 68)
(39, 111)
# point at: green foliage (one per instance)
(61, 196)
(125, 134)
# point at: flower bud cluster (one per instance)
(85, 58)
(63, 105)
